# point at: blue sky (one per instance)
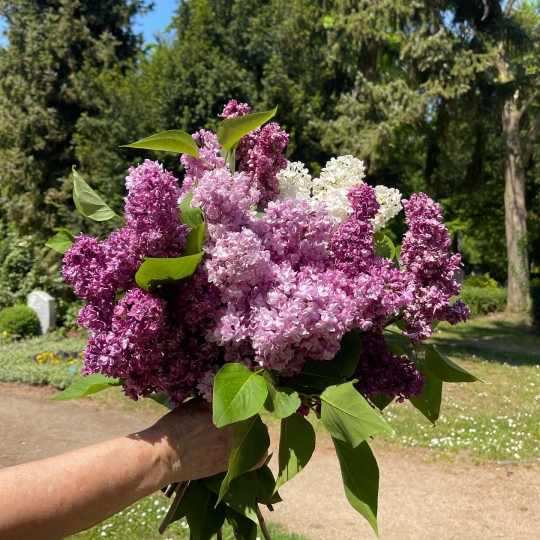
(155, 21)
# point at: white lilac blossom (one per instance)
(294, 181)
(334, 183)
(390, 206)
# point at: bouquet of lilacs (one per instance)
(265, 291)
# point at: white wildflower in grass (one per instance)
(390, 201)
(294, 181)
(339, 175)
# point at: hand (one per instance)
(192, 446)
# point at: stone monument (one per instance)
(43, 304)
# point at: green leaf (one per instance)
(444, 369)
(238, 394)
(319, 374)
(195, 238)
(347, 416)
(231, 130)
(88, 202)
(203, 516)
(266, 485)
(241, 525)
(242, 494)
(360, 474)
(381, 401)
(296, 446)
(61, 241)
(398, 351)
(192, 217)
(154, 272)
(429, 402)
(400, 324)
(397, 257)
(348, 356)
(174, 140)
(87, 385)
(280, 402)
(384, 247)
(162, 399)
(250, 442)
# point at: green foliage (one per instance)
(347, 416)
(53, 53)
(156, 272)
(17, 362)
(250, 442)
(360, 474)
(231, 130)
(280, 402)
(87, 386)
(88, 202)
(484, 281)
(19, 320)
(348, 356)
(534, 288)
(174, 140)
(27, 265)
(61, 241)
(238, 394)
(296, 446)
(483, 300)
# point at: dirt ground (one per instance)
(419, 499)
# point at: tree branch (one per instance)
(509, 7)
(530, 140)
(527, 104)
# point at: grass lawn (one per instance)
(141, 522)
(495, 420)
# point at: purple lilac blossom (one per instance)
(429, 269)
(260, 153)
(353, 245)
(382, 371)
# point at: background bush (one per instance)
(484, 300)
(535, 300)
(485, 281)
(19, 320)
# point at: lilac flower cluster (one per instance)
(429, 269)
(382, 371)
(151, 343)
(260, 153)
(272, 289)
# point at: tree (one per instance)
(52, 46)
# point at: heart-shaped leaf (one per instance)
(238, 394)
(384, 247)
(174, 140)
(280, 402)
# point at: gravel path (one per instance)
(419, 500)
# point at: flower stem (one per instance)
(220, 535)
(180, 490)
(262, 523)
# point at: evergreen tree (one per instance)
(52, 47)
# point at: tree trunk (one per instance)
(515, 214)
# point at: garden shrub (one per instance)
(485, 281)
(535, 300)
(19, 320)
(484, 300)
